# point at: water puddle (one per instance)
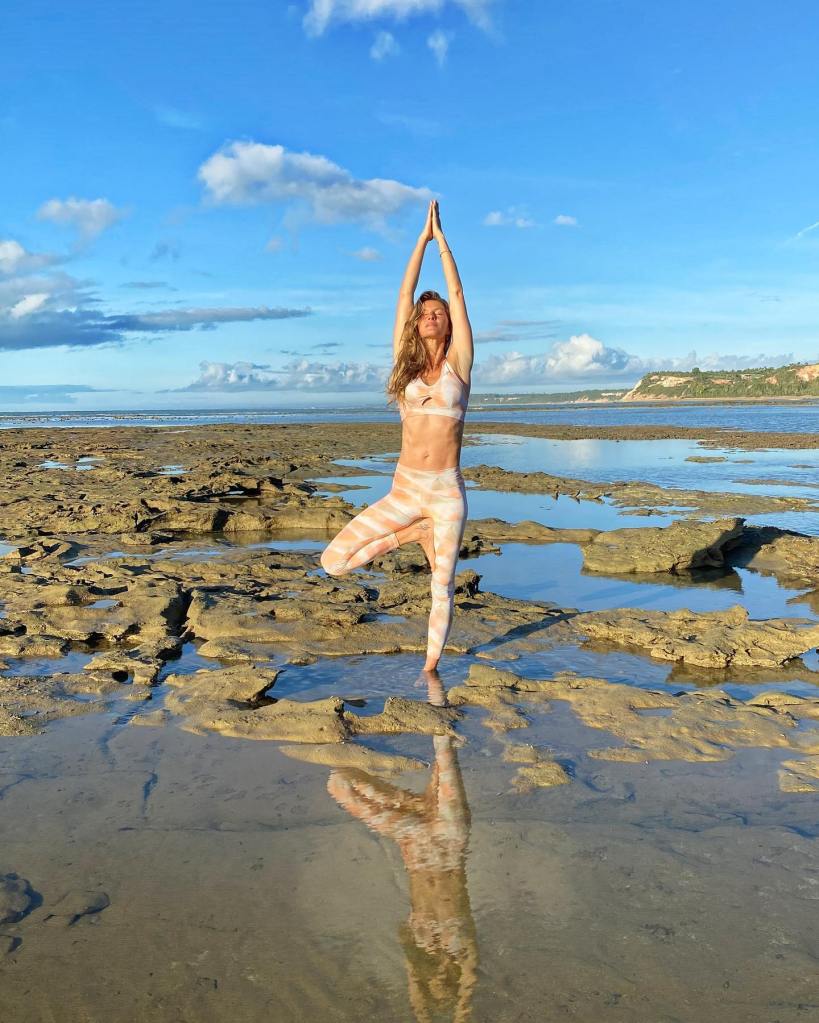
(450, 877)
(663, 462)
(72, 662)
(182, 551)
(556, 512)
(188, 661)
(659, 462)
(84, 462)
(554, 572)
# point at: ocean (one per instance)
(790, 417)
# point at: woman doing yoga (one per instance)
(430, 381)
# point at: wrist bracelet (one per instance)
(442, 251)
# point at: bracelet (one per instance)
(442, 251)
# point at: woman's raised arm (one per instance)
(406, 296)
(461, 351)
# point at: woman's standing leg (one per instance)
(447, 508)
(372, 531)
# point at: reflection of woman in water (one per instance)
(431, 831)
(430, 381)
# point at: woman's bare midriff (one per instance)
(431, 442)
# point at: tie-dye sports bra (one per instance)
(448, 396)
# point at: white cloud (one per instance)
(513, 217)
(12, 255)
(583, 354)
(321, 14)
(579, 358)
(253, 172)
(297, 375)
(564, 220)
(584, 359)
(89, 216)
(27, 305)
(367, 254)
(27, 297)
(383, 46)
(438, 42)
(15, 259)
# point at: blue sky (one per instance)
(211, 205)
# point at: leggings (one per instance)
(439, 495)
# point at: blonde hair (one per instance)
(411, 360)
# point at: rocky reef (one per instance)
(127, 547)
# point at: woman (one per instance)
(430, 382)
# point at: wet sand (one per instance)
(227, 791)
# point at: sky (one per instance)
(210, 205)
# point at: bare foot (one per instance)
(419, 532)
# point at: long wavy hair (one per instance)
(411, 360)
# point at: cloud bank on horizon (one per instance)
(239, 222)
(581, 361)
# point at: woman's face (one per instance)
(434, 322)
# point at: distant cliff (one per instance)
(796, 380)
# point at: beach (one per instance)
(227, 791)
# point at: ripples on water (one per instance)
(787, 417)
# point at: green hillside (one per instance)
(544, 398)
(800, 379)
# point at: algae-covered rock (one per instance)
(633, 495)
(232, 701)
(678, 547)
(799, 775)
(402, 715)
(498, 531)
(17, 898)
(792, 557)
(504, 712)
(701, 725)
(29, 702)
(710, 638)
(537, 770)
(544, 774)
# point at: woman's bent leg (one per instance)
(448, 510)
(372, 531)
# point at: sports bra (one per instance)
(448, 396)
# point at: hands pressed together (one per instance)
(432, 227)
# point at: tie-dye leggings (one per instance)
(439, 495)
